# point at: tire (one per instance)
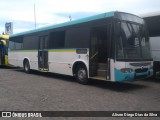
(156, 69)
(81, 75)
(27, 66)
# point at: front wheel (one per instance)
(81, 75)
(27, 66)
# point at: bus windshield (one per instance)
(133, 42)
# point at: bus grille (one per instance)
(140, 76)
(141, 70)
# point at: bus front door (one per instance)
(99, 54)
(43, 53)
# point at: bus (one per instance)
(111, 46)
(4, 49)
(152, 21)
(155, 50)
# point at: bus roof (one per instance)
(87, 19)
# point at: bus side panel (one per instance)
(61, 61)
(21, 55)
(12, 58)
(32, 56)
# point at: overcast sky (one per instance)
(21, 12)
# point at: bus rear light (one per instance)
(126, 70)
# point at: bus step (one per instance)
(43, 70)
(99, 78)
(101, 73)
(102, 66)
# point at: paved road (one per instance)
(47, 92)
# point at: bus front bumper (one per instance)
(119, 76)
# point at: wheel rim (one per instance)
(82, 74)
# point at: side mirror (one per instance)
(117, 28)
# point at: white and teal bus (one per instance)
(112, 46)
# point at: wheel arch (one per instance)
(26, 59)
(76, 64)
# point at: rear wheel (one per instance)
(81, 75)
(27, 66)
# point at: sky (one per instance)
(49, 12)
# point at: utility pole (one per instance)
(70, 18)
(35, 15)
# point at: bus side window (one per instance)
(57, 39)
(11, 45)
(77, 37)
(30, 42)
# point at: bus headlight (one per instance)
(126, 70)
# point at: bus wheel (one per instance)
(81, 75)
(26, 66)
